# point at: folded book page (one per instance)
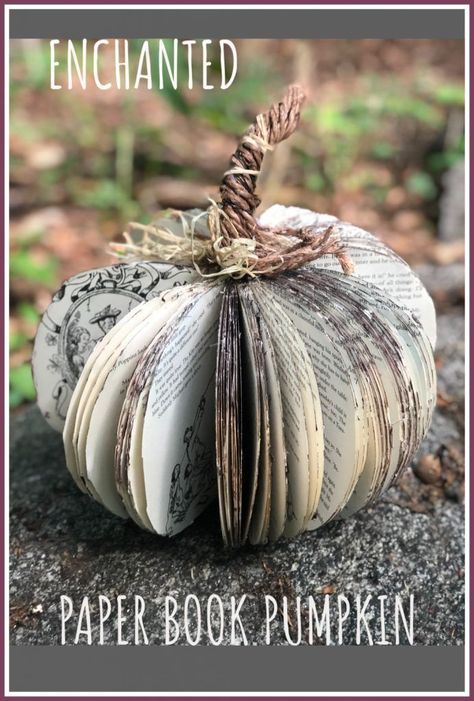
(178, 429)
(293, 377)
(374, 262)
(102, 433)
(229, 419)
(258, 522)
(99, 356)
(363, 335)
(345, 441)
(85, 308)
(278, 455)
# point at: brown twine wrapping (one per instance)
(238, 246)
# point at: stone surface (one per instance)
(411, 542)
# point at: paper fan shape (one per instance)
(282, 365)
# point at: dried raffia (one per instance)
(237, 246)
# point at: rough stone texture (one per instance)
(411, 542)
(444, 283)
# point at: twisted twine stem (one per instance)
(277, 249)
(238, 197)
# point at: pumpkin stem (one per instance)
(238, 197)
(240, 245)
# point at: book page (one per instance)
(259, 522)
(292, 378)
(345, 444)
(229, 420)
(95, 373)
(374, 262)
(279, 468)
(135, 496)
(102, 434)
(99, 370)
(312, 416)
(375, 351)
(252, 409)
(98, 357)
(418, 364)
(179, 429)
(392, 276)
(405, 348)
(130, 424)
(82, 312)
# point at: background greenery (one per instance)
(382, 125)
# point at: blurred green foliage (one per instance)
(21, 385)
(367, 123)
(23, 266)
(357, 128)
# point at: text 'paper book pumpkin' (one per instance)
(283, 365)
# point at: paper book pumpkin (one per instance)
(283, 364)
